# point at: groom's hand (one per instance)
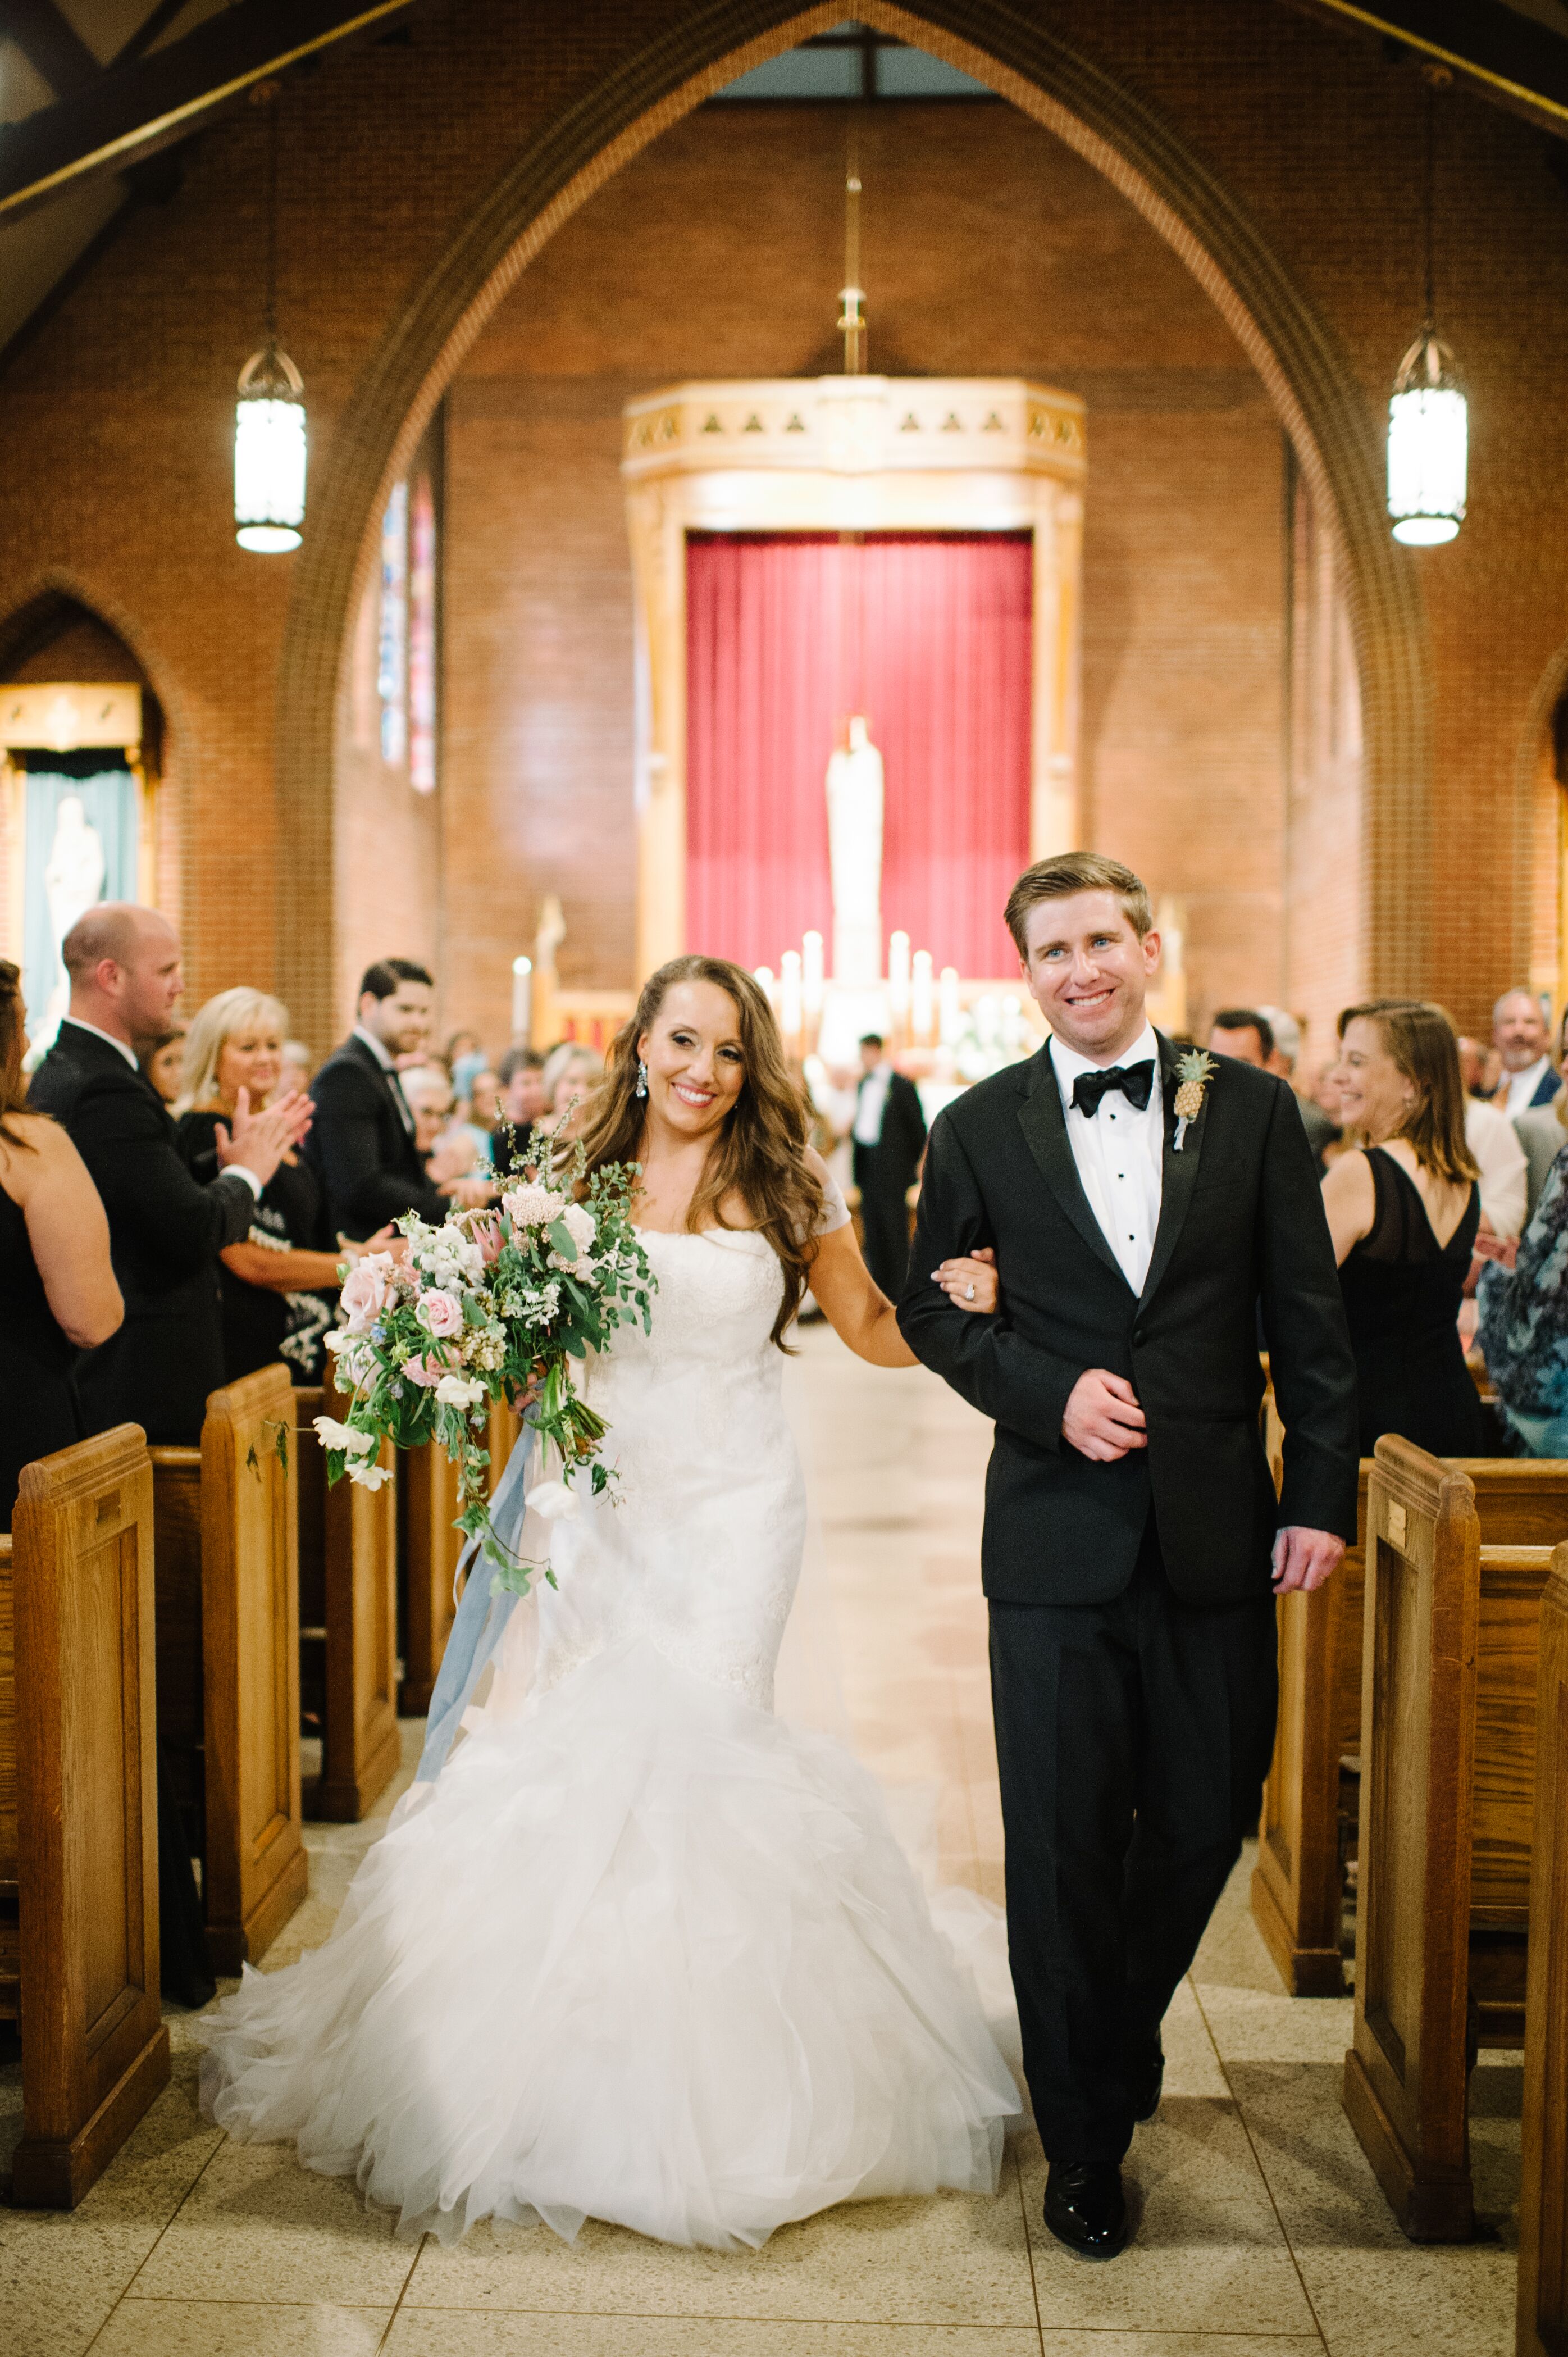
(1103, 1419)
(1305, 1558)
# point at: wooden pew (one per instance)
(428, 1552)
(348, 1583)
(1447, 1786)
(228, 1658)
(79, 1838)
(1542, 2327)
(1296, 1893)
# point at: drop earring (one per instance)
(642, 1078)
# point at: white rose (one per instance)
(367, 1476)
(458, 1391)
(552, 1502)
(580, 1225)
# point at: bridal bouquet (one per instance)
(492, 1304)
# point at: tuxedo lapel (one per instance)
(1178, 1172)
(1044, 1125)
(389, 1085)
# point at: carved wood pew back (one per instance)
(429, 1549)
(347, 1565)
(1543, 2315)
(79, 1848)
(1447, 1789)
(228, 1657)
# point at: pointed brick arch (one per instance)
(1300, 360)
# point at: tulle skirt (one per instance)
(645, 1953)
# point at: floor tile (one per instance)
(445, 2334)
(158, 2327)
(273, 2232)
(952, 2260)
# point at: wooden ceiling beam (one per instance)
(1512, 59)
(51, 44)
(132, 111)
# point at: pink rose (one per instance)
(365, 1292)
(439, 1313)
(427, 1372)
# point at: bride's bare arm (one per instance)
(861, 1314)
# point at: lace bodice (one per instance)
(697, 1543)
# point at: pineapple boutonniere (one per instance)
(1193, 1072)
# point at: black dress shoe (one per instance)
(1085, 2208)
(1148, 2084)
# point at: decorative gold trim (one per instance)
(69, 716)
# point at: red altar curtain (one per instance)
(928, 636)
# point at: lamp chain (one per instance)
(272, 316)
(1427, 207)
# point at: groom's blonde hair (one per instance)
(1076, 871)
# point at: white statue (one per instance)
(73, 880)
(854, 841)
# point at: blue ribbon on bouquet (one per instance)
(483, 1612)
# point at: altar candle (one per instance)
(922, 997)
(948, 1003)
(789, 997)
(521, 1001)
(811, 976)
(898, 978)
(765, 976)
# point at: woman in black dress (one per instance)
(58, 1292)
(279, 1288)
(1403, 1210)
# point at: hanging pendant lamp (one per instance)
(1429, 419)
(269, 414)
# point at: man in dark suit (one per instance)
(362, 1143)
(1139, 1207)
(165, 1230)
(888, 1140)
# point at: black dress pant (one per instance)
(1133, 1739)
(884, 1219)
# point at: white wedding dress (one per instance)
(645, 1951)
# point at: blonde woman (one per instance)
(1403, 1208)
(279, 1284)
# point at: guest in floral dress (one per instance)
(1524, 1328)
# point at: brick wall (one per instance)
(115, 425)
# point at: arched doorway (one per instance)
(1308, 379)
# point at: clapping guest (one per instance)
(1403, 1212)
(1522, 1036)
(477, 1114)
(523, 1102)
(58, 1292)
(297, 1066)
(278, 1284)
(161, 1060)
(571, 1074)
(166, 1231)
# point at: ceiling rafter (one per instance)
(132, 111)
(51, 44)
(1495, 51)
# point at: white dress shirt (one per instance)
(1522, 1086)
(1120, 1155)
(871, 1106)
(1499, 1157)
(390, 1068)
(234, 1169)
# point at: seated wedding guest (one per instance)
(362, 1146)
(445, 1144)
(1499, 1155)
(1522, 1037)
(278, 1286)
(1541, 1130)
(1523, 1323)
(1283, 1059)
(572, 1072)
(889, 1143)
(462, 1047)
(523, 1102)
(58, 1293)
(478, 1111)
(160, 1060)
(1403, 1208)
(297, 1065)
(166, 1231)
(1242, 1032)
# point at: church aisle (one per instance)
(1263, 2233)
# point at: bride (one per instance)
(644, 1952)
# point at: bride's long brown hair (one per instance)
(760, 1152)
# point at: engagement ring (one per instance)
(969, 1293)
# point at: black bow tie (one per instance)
(1134, 1080)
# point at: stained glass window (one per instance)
(422, 640)
(391, 662)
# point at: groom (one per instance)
(1130, 1524)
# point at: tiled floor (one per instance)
(1263, 2233)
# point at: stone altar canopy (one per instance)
(847, 454)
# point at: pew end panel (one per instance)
(95, 2052)
(1406, 2076)
(257, 1869)
(429, 1549)
(361, 1748)
(1542, 2322)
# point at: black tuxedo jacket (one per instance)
(165, 1236)
(1242, 1221)
(362, 1149)
(895, 1156)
